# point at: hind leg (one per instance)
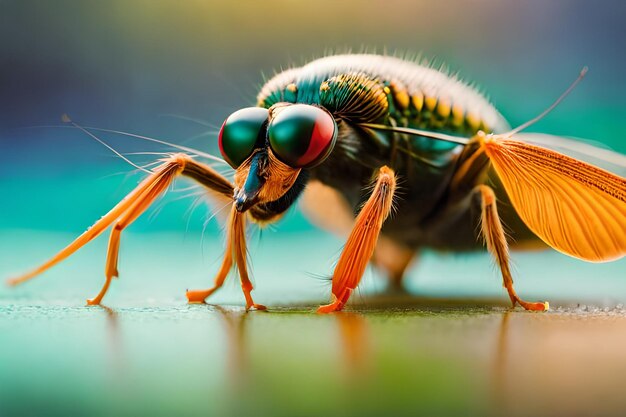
(495, 239)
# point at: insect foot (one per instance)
(362, 240)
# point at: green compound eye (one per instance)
(239, 134)
(302, 136)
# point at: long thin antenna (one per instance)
(162, 142)
(190, 119)
(66, 119)
(132, 135)
(418, 132)
(549, 109)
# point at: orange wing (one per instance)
(573, 206)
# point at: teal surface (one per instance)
(148, 352)
(175, 70)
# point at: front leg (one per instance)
(362, 241)
(133, 205)
(236, 248)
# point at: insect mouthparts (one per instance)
(243, 201)
(239, 204)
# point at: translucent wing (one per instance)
(595, 153)
(575, 207)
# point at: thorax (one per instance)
(359, 89)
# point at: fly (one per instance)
(343, 132)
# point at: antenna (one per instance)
(523, 126)
(418, 132)
(66, 119)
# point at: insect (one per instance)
(361, 136)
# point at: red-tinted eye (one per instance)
(302, 136)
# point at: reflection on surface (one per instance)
(568, 363)
(234, 322)
(416, 359)
(500, 377)
(354, 342)
(114, 340)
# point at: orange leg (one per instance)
(160, 179)
(133, 205)
(235, 247)
(239, 249)
(141, 203)
(198, 296)
(496, 244)
(362, 241)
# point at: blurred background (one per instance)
(174, 70)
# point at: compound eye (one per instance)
(302, 136)
(239, 134)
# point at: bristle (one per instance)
(362, 241)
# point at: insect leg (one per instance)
(235, 247)
(159, 179)
(235, 251)
(198, 296)
(495, 239)
(224, 189)
(133, 205)
(362, 241)
(159, 183)
(240, 252)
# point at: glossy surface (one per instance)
(302, 136)
(240, 133)
(421, 359)
(151, 353)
